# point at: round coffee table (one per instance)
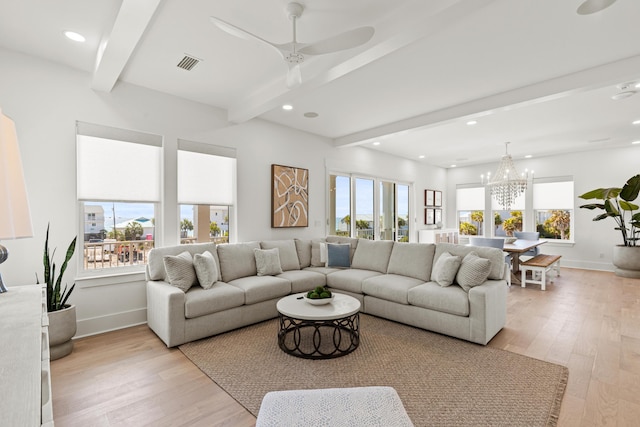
(319, 331)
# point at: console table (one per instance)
(25, 389)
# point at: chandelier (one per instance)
(506, 184)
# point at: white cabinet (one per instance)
(449, 235)
(25, 388)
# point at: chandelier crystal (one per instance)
(506, 184)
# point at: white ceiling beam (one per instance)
(115, 50)
(416, 21)
(612, 73)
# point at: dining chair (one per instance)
(493, 243)
(528, 235)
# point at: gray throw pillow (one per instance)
(180, 271)
(206, 269)
(473, 271)
(338, 255)
(267, 261)
(446, 268)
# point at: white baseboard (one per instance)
(111, 322)
(586, 265)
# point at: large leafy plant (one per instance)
(56, 298)
(617, 204)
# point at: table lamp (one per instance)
(15, 218)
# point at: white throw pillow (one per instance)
(473, 271)
(206, 269)
(267, 261)
(180, 272)
(446, 268)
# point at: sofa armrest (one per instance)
(487, 310)
(165, 312)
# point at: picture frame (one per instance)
(428, 197)
(437, 218)
(429, 216)
(289, 196)
(437, 198)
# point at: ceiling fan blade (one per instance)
(294, 76)
(239, 32)
(346, 40)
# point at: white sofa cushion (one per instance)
(450, 299)
(412, 260)
(287, 252)
(372, 255)
(206, 269)
(221, 296)
(445, 269)
(473, 271)
(237, 260)
(316, 258)
(304, 280)
(303, 250)
(262, 288)
(349, 280)
(390, 287)
(494, 255)
(267, 262)
(155, 267)
(180, 271)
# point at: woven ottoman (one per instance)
(335, 407)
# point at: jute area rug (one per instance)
(442, 381)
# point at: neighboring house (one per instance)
(93, 222)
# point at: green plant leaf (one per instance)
(631, 189)
(593, 206)
(611, 208)
(601, 193)
(626, 206)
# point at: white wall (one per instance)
(45, 100)
(594, 241)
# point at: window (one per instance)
(118, 188)
(339, 205)
(506, 222)
(206, 186)
(391, 222)
(470, 208)
(553, 208)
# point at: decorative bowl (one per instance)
(318, 301)
(510, 240)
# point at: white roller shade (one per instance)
(109, 169)
(553, 195)
(205, 179)
(470, 199)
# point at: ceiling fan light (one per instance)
(593, 6)
(294, 77)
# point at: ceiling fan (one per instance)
(294, 52)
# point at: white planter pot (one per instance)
(62, 327)
(627, 261)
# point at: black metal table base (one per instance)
(319, 339)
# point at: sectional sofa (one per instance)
(195, 291)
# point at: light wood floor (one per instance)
(588, 321)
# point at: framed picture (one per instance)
(429, 216)
(428, 197)
(289, 197)
(437, 198)
(438, 216)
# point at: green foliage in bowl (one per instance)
(319, 292)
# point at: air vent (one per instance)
(188, 62)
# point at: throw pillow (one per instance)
(445, 269)
(338, 255)
(206, 269)
(267, 261)
(473, 271)
(323, 253)
(180, 270)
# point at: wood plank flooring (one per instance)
(588, 321)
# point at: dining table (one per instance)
(517, 248)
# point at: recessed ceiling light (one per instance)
(453, 166)
(287, 107)
(311, 115)
(376, 143)
(528, 156)
(623, 95)
(72, 35)
(421, 156)
(636, 122)
(472, 122)
(635, 142)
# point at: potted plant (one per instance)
(62, 316)
(617, 203)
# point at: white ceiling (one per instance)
(531, 72)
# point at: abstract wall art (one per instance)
(289, 196)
